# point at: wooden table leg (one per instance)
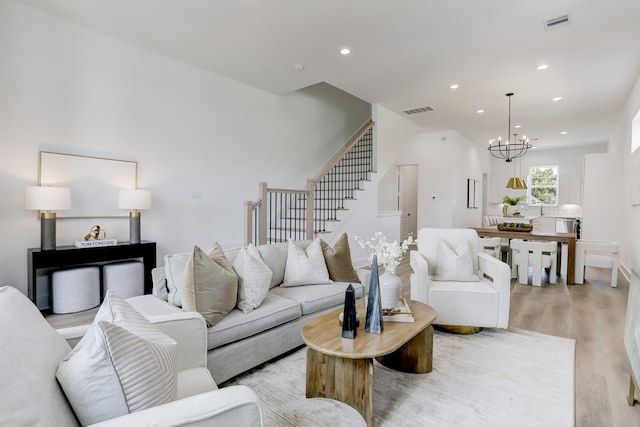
(415, 357)
(571, 261)
(348, 380)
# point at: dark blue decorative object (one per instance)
(373, 323)
(349, 322)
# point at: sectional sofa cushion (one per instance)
(274, 311)
(210, 285)
(338, 260)
(275, 256)
(314, 298)
(254, 278)
(174, 266)
(122, 364)
(305, 267)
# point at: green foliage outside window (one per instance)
(544, 185)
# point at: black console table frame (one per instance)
(67, 256)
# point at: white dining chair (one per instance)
(599, 254)
(537, 255)
(490, 245)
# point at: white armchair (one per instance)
(595, 253)
(483, 303)
(32, 350)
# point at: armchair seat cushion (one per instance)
(465, 303)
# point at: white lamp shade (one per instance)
(47, 198)
(134, 199)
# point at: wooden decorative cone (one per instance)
(373, 323)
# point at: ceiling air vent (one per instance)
(555, 23)
(418, 110)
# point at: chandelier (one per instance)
(509, 150)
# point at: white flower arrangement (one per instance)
(389, 253)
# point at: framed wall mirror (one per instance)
(94, 182)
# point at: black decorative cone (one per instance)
(349, 323)
(373, 324)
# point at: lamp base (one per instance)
(134, 227)
(47, 231)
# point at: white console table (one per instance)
(632, 334)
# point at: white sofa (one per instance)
(32, 349)
(242, 341)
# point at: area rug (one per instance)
(494, 378)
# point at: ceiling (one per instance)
(406, 54)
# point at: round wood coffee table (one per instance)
(342, 369)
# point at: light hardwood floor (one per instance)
(593, 314)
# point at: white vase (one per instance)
(390, 289)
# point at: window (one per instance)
(543, 185)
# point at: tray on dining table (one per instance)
(527, 229)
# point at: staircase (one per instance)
(282, 214)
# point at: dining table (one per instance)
(562, 238)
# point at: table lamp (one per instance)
(135, 200)
(46, 200)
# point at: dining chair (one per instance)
(490, 245)
(600, 254)
(538, 255)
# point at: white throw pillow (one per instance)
(174, 266)
(254, 278)
(121, 365)
(455, 264)
(210, 286)
(305, 267)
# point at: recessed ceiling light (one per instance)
(480, 111)
(517, 126)
(564, 132)
(345, 51)
(454, 86)
(299, 67)
(542, 67)
(557, 98)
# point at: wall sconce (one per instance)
(46, 200)
(135, 200)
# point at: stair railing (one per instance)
(282, 214)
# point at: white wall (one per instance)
(445, 161)
(602, 216)
(620, 141)
(67, 89)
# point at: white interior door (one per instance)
(408, 199)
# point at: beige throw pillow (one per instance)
(254, 278)
(122, 364)
(454, 264)
(305, 267)
(210, 285)
(338, 260)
